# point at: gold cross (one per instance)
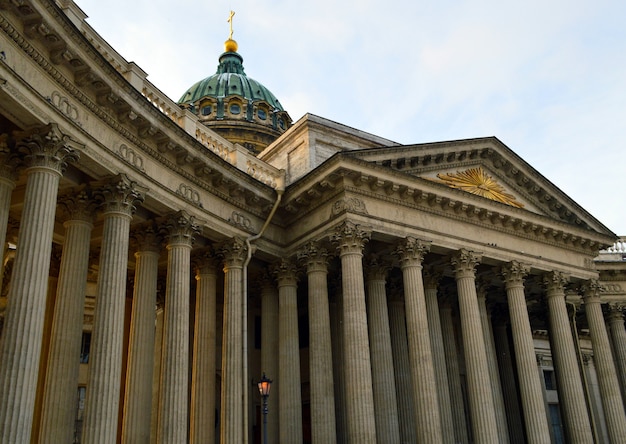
(230, 20)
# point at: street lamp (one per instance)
(265, 384)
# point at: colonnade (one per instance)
(383, 367)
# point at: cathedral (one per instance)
(161, 257)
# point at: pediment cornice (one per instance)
(426, 160)
(346, 175)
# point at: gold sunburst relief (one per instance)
(477, 181)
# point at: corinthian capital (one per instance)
(465, 262)
(286, 272)
(77, 204)
(314, 257)
(119, 194)
(180, 228)
(591, 290)
(234, 252)
(46, 146)
(146, 237)
(514, 273)
(9, 160)
(376, 268)
(411, 251)
(554, 283)
(350, 237)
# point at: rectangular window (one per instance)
(555, 423)
(84, 348)
(548, 377)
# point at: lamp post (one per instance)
(265, 384)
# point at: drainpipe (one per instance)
(280, 189)
(581, 368)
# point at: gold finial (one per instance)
(230, 45)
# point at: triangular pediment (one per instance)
(486, 168)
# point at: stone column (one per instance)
(269, 351)
(481, 407)
(618, 336)
(46, 154)
(290, 395)
(571, 396)
(138, 396)
(350, 239)
(323, 426)
(411, 252)
(431, 283)
(179, 230)
(336, 326)
(607, 376)
(536, 419)
(509, 383)
(119, 196)
(385, 402)
(202, 424)
(59, 402)
(234, 253)
(402, 369)
(453, 369)
(494, 375)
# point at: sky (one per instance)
(546, 77)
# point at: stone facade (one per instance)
(393, 293)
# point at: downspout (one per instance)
(581, 369)
(280, 189)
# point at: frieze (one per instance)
(64, 105)
(131, 157)
(189, 194)
(351, 204)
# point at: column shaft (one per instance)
(357, 364)
(618, 336)
(175, 377)
(385, 402)
(323, 426)
(402, 370)
(269, 353)
(536, 419)
(509, 384)
(290, 395)
(482, 412)
(105, 360)
(571, 396)
(231, 414)
(21, 342)
(202, 428)
(138, 396)
(607, 376)
(59, 403)
(439, 358)
(427, 421)
(454, 373)
(337, 342)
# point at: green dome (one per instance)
(230, 80)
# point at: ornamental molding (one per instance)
(239, 220)
(131, 157)
(189, 194)
(350, 204)
(65, 106)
